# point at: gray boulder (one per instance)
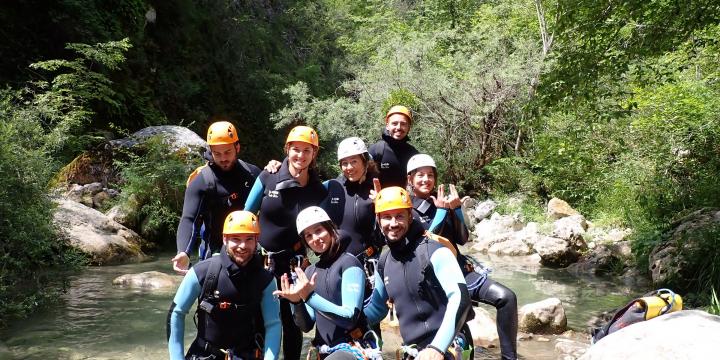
(484, 209)
(571, 228)
(568, 349)
(688, 334)
(555, 252)
(543, 317)
(179, 138)
(672, 260)
(103, 240)
(484, 329)
(149, 280)
(604, 259)
(498, 228)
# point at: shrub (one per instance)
(154, 183)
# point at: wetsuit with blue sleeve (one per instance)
(242, 307)
(279, 198)
(423, 279)
(449, 223)
(209, 197)
(335, 307)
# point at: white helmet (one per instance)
(310, 216)
(351, 146)
(418, 161)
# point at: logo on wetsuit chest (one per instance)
(273, 193)
(384, 165)
(334, 200)
(425, 219)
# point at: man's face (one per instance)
(398, 126)
(225, 156)
(394, 223)
(240, 247)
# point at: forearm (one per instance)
(271, 315)
(352, 288)
(254, 199)
(453, 284)
(185, 297)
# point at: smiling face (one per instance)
(398, 126)
(300, 154)
(318, 238)
(353, 167)
(225, 155)
(240, 247)
(422, 181)
(394, 223)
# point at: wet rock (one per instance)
(604, 259)
(544, 317)
(105, 241)
(570, 349)
(484, 329)
(557, 209)
(149, 280)
(556, 252)
(688, 334)
(672, 261)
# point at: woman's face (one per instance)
(318, 238)
(300, 154)
(423, 181)
(353, 167)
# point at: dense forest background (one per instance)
(613, 106)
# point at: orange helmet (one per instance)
(304, 134)
(221, 133)
(399, 109)
(392, 198)
(241, 222)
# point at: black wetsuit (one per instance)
(392, 157)
(279, 198)
(211, 206)
(349, 206)
(450, 225)
(427, 287)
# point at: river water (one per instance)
(96, 320)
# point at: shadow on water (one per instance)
(96, 320)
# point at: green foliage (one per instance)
(714, 307)
(64, 105)
(154, 184)
(38, 125)
(528, 206)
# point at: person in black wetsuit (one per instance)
(393, 151)
(350, 198)
(332, 298)
(213, 191)
(443, 216)
(237, 315)
(279, 197)
(422, 277)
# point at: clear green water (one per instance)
(96, 320)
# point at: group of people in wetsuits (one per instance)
(385, 237)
